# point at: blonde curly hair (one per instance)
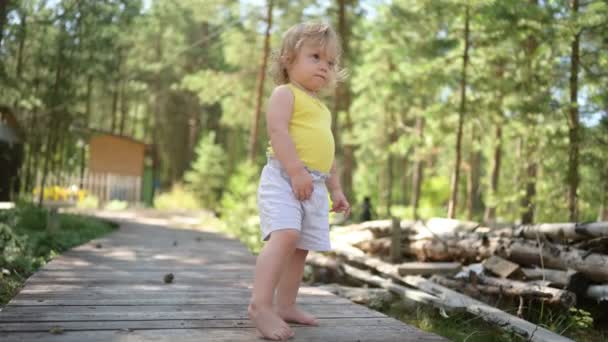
(293, 39)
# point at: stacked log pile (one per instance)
(456, 265)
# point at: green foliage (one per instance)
(116, 205)
(26, 244)
(178, 198)
(88, 202)
(580, 318)
(435, 192)
(208, 174)
(460, 326)
(239, 206)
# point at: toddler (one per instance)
(292, 194)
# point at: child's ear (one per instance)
(284, 60)
(287, 59)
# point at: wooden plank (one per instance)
(228, 311)
(395, 251)
(167, 299)
(116, 292)
(501, 267)
(390, 333)
(175, 324)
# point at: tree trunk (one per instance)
(87, 119)
(114, 107)
(22, 36)
(418, 174)
(124, 108)
(603, 214)
(3, 13)
(388, 188)
(490, 214)
(527, 202)
(473, 176)
(342, 104)
(253, 138)
(573, 123)
(452, 206)
(115, 93)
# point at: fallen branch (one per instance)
(407, 294)
(529, 331)
(359, 295)
(519, 288)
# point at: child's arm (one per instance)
(280, 110)
(339, 201)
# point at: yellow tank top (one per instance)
(310, 130)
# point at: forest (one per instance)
(477, 109)
(489, 111)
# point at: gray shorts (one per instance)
(279, 208)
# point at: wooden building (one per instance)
(124, 166)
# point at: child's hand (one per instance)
(340, 203)
(301, 184)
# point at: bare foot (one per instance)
(269, 325)
(295, 315)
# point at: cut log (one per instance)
(443, 228)
(447, 298)
(428, 268)
(499, 266)
(521, 251)
(352, 237)
(592, 265)
(548, 294)
(529, 331)
(478, 290)
(379, 246)
(598, 292)
(558, 231)
(556, 278)
(465, 250)
(509, 288)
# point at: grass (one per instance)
(458, 326)
(463, 326)
(26, 244)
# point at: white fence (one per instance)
(105, 186)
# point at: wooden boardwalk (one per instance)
(112, 289)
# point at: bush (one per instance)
(26, 244)
(208, 175)
(178, 198)
(117, 205)
(88, 202)
(239, 206)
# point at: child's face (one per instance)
(313, 67)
